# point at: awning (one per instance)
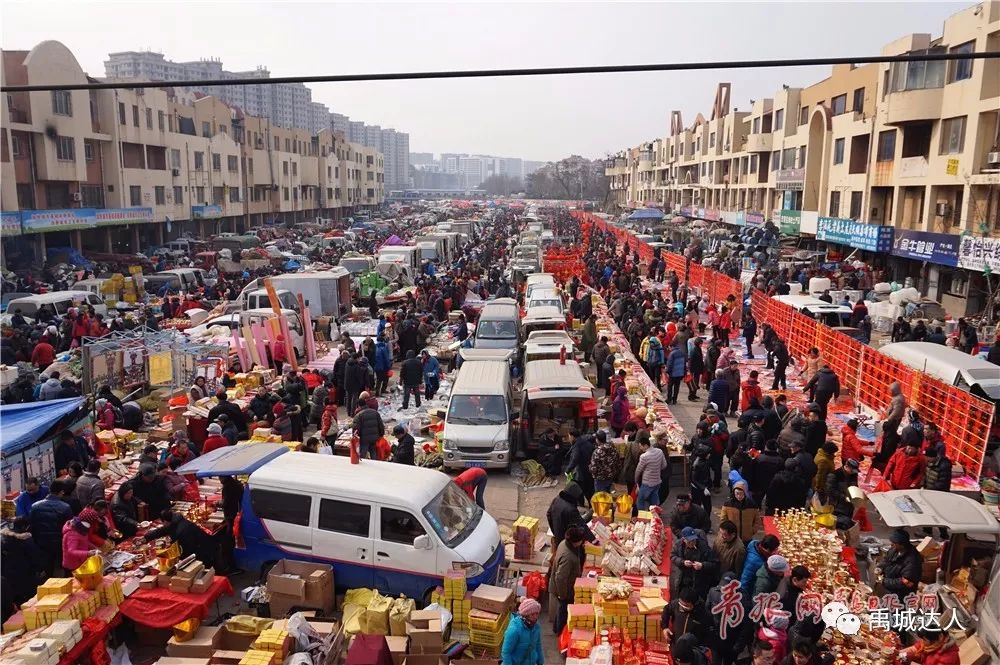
(646, 213)
(233, 460)
(24, 424)
(393, 240)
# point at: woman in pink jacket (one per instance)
(76, 545)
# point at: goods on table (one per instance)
(634, 547)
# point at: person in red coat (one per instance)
(473, 483)
(215, 439)
(43, 354)
(749, 390)
(905, 469)
(851, 446)
(279, 353)
(935, 647)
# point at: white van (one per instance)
(556, 392)
(542, 344)
(545, 296)
(538, 280)
(822, 311)
(542, 317)
(478, 425)
(499, 325)
(58, 302)
(393, 527)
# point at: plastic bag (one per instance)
(360, 596)
(445, 615)
(244, 624)
(400, 612)
(375, 620)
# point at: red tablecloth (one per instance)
(95, 631)
(162, 608)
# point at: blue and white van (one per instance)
(381, 525)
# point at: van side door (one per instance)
(286, 519)
(396, 556)
(344, 534)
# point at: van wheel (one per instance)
(426, 598)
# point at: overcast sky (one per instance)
(540, 118)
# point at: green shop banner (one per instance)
(788, 221)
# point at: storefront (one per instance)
(842, 235)
(927, 259)
(976, 277)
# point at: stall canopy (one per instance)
(24, 424)
(393, 240)
(646, 213)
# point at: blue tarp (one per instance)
(292, 265)
(21, 425)
(646, 213)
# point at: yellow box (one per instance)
(56, 585)
(52, 602)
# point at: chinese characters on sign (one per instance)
(940, 248)
(978, 253)
(869, 237)
(41, 221)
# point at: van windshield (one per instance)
(497, 330)
(453, 515)
(477, 410)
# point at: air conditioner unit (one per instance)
(943, 209)
(175, 172)
(77, 196)
(993, 158)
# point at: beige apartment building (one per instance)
(126, 169)
(898, 163)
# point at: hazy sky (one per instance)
(534, 117)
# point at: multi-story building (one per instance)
(422, 158)
(121, 170)
(897, 163)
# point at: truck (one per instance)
(408, 255)
(434, 247)
(327, 293)
(356, 264)
(236, 244)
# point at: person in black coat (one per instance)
(901, 566)
(405, 444)
(688, 514)
(191, 537)
(151, 489)
(355, 376)
(369, 428)
(339, 366)
(564, 512)
(815, 431)
(23, 560)
(411, 377)
(765, 468)
(772, 419)
(579, 461)
(235, 413)
(47, 518)
(696, 368)
(690, 549)
(125, 510)
(787, 489)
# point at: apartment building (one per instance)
(896, 163)
(121, 170)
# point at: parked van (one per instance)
(822, 311)
(972, 374)
(542, 344)
(538, 280)
(393, 527)
(57, 302)
(258, 299)
(555, 392)
(478, 424)
(542, 317)
(405, 254)
(499, 325)
(545, 296)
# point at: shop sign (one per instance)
(869, 237)
(711, 214)
(206, 212)
(979, 253)
(120, 216)
(10, 224)
(733, 217)
(790, 179)
(788, 221)
(952, 167)
(940, 248)
(754, 218)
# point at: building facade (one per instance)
(121, 170)
(899, 163)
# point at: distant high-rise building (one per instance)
(340, 122)
(421, 158)
(530, 167)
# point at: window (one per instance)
(775, 160)
(329, 192)
(178, 195)
(135, 195)
(175, 158)
(234, 194)
(284, 193)
(779, 119)
(149, 118)
(952, 135)
(886, 146)
(918, 75)
(288, 145)
(250, 165)
(216, 162)
(838, 151)
(802, 157)
(295, 168)
(753, 163)
(281, 506)
(399, 526)
(353, 519)
(200, 193)
(803, 115)
(93, 196)
(15, 145)
(277, 143)
(788, 158)
(711, 140)
(159, 120)
(233, 163)
(834, 204)
(160, 195)
(62, 102)
(839, 104)
(859, 100)
(284, 168)
(65, 148)
(170, 123)
(206, 129)
(199, 161)
(756, 126)
(336, 171)
(959, 70)
(856, 204)
(135, 115)
(121, 113)
(88, 151)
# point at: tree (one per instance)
(572, 177)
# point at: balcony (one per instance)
(913, 106)
(913, 167)
(759, 142)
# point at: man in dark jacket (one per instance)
(689, 514)
(805, 461)
(151, 489)
(564, 512)
(404, 453)
(686, 614)
(339, 367)
(22, 560)
(827, 387)
(579, 461)
(191, 537)
(756, 438)
(815, 431)
(411, 377)
(261, 404)
(354, 382)
(71, 448)
(772, 419)
(937, 476)
(781, 361)
(47, 518)
(901, 566)
(693, 563)
(369, 428)
(787, 490)
(838, 484)
(234, 412)
(767, 465)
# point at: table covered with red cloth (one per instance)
(95, 630)
(163, 608)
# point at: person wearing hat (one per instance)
(774, 630)
(687, 513)
(901, 566)
(522, 642)
(76, 545)
(693, 563)
(743, 512)
(770, 575)
(215, 439)
(403, 453)
(566, 568)
(282, 425)
(837, 488)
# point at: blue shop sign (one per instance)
(852, 233)
(206, 212)
(940, 248)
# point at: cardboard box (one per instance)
(398, 647)
(204, 581)
(170, 660)
(973, 652)
(202, 645)
(300, 584)
(929, 548)
(425, 630)
(191, 570)
(180, 584)
(492, 599)
(148, 582)
(163, 580)
(226, 640)
(227, 657)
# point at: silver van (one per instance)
(499, 325)
(479, 423)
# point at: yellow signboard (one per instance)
(161, 368)
(952, 168)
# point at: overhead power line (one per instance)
(506, 73)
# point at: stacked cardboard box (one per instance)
(425, 632)
(488, 618)
(460, 609)
(276, 641)
(525, 533)
(299, 584)
(583, 590)
(581, 615)
(454, 585)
